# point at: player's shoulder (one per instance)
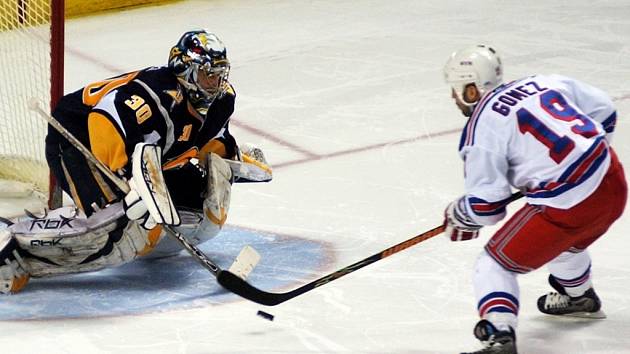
(140, 88)
(157, 77)
(229, 89)
(492, 115)
(228, 98)
(558, 78)
(506, 99)
(152, 84)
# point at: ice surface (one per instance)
(165, 284)
(348, 102)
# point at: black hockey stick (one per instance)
(240, 287)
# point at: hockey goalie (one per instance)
(165, 131)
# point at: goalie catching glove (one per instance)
(252, 166)
(459, 225)
(148, 202)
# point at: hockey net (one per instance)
(31, 66)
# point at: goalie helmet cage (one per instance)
(31, 66)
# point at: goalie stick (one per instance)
(240, 287)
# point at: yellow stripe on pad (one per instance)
(152, 238)
(19, 283)
(251, 160)
(216, 220)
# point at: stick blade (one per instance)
(238, 286)
(245, 262)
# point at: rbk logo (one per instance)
(53, 242)
(50, 224)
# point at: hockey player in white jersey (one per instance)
(549, 137)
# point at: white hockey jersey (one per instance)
(547, 136)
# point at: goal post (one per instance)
(57, 35)
(31, 66)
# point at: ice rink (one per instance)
(348, 102)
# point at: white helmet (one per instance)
(479, 65)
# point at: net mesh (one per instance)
(25, 33)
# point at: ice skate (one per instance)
(561, 304)
(493, 340)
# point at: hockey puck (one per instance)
(265, 315)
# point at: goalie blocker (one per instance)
(66, 241)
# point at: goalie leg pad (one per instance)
(199, 226)
(13, 276)
(60, 244)
(217, 200)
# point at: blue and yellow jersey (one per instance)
(111, 116)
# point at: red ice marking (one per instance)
(273, 138)
(367, 148)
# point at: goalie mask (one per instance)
(479, 65)
(199, 60)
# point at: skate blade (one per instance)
(592, 315)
